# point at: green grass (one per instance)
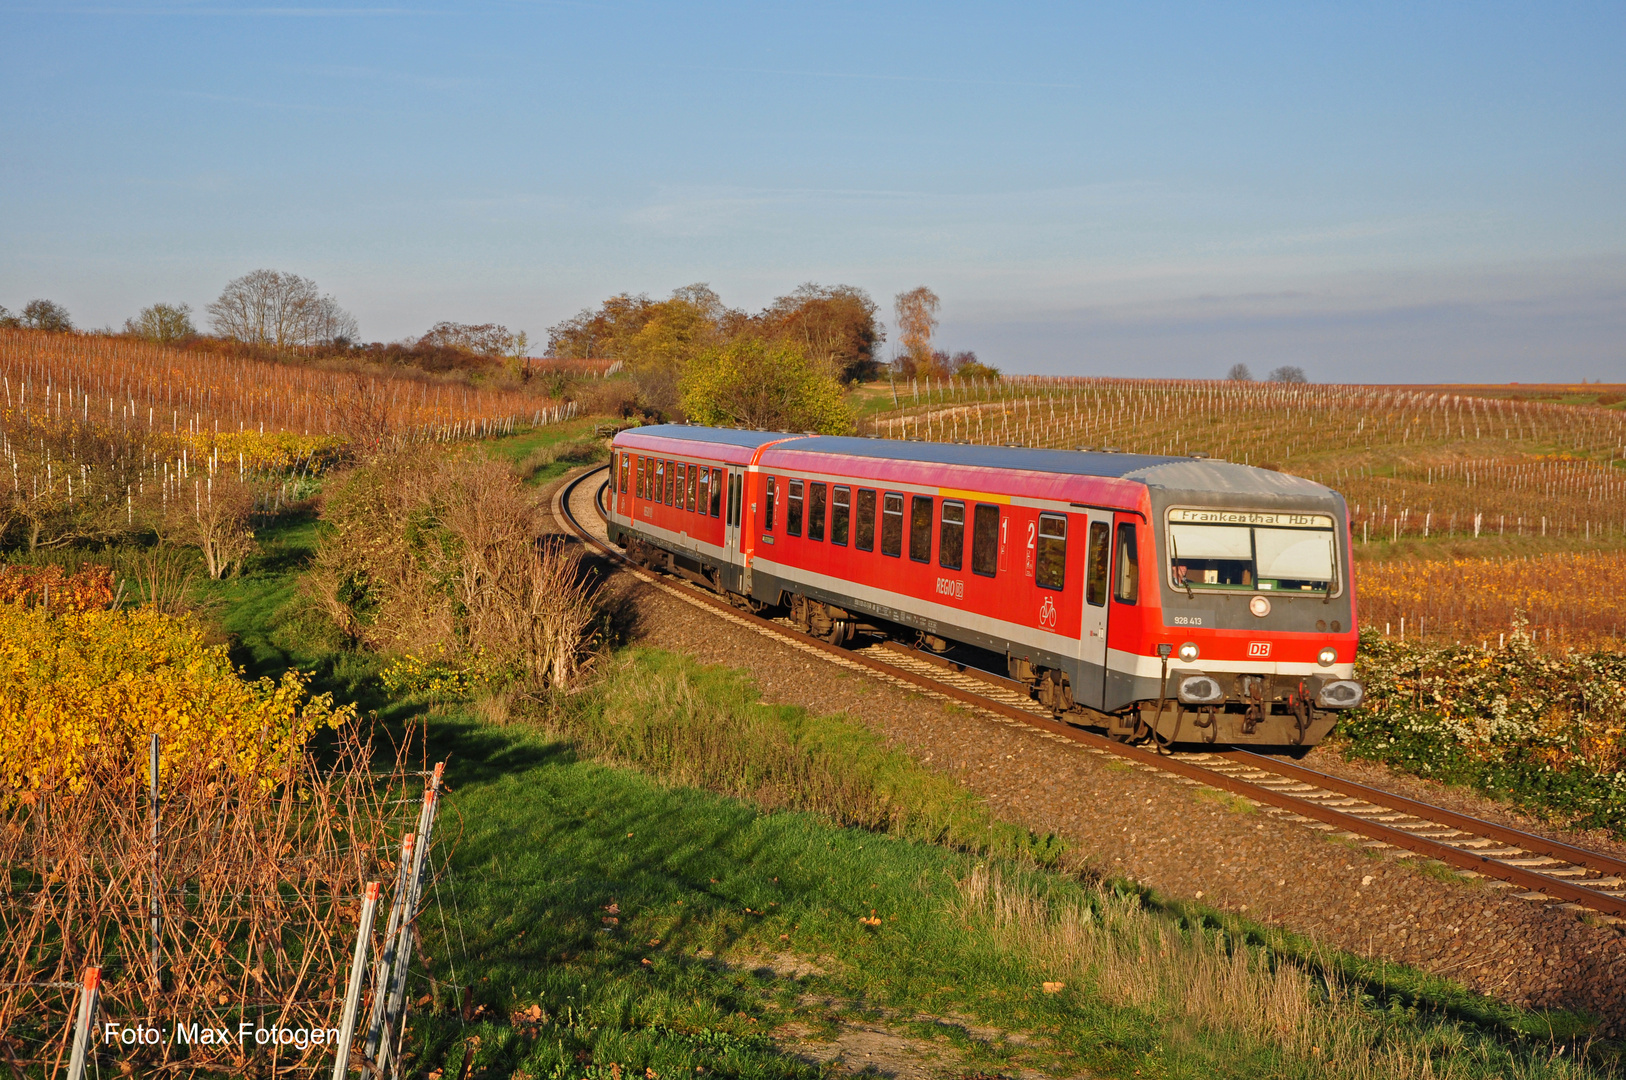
(542, 843)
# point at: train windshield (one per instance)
(1225, 549)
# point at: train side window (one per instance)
(1095, 567)
(793, 509)
(716, 493)
(951, 535)
(840, 511)
(920, 528)
(694, 477)
(685, 473)
(626, 467)
(1050, 571)
(660, 482)
(767, 511)
(671, 479)
(1127, 589)
(639, 471)
(815, 512)
(864, 532)
(985, 540)
(704, 501)
(735, 482)
(892, 524)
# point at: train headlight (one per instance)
(1188, 651)
(1260, 606)
(1327, 657)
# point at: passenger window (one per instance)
(951, 536)
(1095, 570)
(671, 480)
(640, 467)
(1128, 586)
(1050, 570)
(705, 491)
(920, 528)
(767, 510)
(694, 471)
(660, 482)
(716, 492)
(840, 509)
(892, 524)
(815, 512)
(626, 467)
(864, 534)
(734, 484)
(985, 540)
(793, 510)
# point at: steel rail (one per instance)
(1467, 860)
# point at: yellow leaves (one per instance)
(90, 687)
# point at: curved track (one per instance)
(1542, 870)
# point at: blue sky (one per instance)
(1376, 193)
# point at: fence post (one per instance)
(89, 991)
(157, 977)
(395, 1010)
(375, 1022)
(352, 993)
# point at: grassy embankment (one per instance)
(612, 918)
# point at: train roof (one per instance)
(1167, 473)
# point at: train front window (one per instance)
(951, 535)
(892, 524)
(1221, 549)
(815, 512)
(1050, 571)
(840, 512)
(864, 530)
(793, 509)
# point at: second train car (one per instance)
(1179, 598)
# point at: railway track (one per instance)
(1534, 868)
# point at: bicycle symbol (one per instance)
(1047, 612)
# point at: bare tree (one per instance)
(1240, 373)
(917, 318)
(162, 323)
(486, 339)
(267, 307)
(1287, 373)
(46, 315)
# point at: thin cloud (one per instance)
(875, 77)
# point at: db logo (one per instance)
(1047, 612)
(1258, 648)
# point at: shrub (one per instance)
(82, 690)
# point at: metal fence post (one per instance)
(375, 1022)
(157, 978)
(395, 1009)
(89, 991)
(352, 993)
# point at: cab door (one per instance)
(1092, 632)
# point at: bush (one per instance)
(1544, 731)
(436, 559)
(81, 691)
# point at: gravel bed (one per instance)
(1183, 841)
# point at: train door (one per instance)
(732, 515)
(1092, 632)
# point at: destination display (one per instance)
(1216, 516)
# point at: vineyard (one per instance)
(107, 438)
(1520, 505)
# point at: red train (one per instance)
(1190, 599)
